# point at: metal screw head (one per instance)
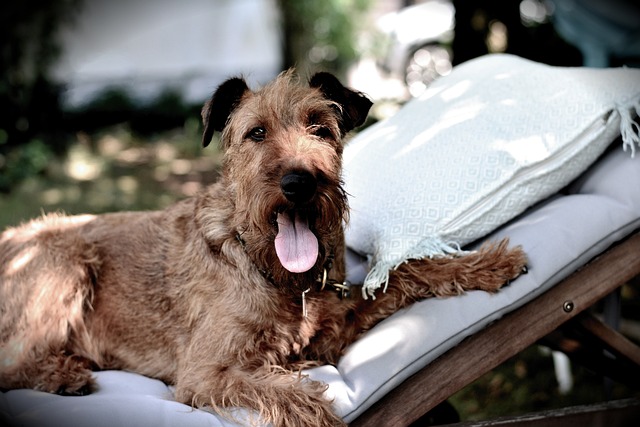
(568, 306)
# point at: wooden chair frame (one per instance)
(564, 304)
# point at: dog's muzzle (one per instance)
(298, 187)
(295, 243)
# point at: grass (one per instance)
(526, 383)
(114, 170)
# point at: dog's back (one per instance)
(53, 271)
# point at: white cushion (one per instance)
(479, 147)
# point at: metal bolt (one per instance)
(568, 306)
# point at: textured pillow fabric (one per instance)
(476, 149)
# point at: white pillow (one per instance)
(476, 149)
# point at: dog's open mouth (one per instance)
(296, 245)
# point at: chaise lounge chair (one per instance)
(582, 241)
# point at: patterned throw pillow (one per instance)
(476, 149)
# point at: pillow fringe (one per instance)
(629, 128)
(431, 247)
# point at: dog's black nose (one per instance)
(298, 187)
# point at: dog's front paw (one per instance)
(488, 269)
(496, 265)
(280, 399)
(66, 375)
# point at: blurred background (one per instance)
(101, 103)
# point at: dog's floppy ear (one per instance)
(217, 110)
(354, 105)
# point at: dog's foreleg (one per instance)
(231, 367)
(488, 269)
(491, 267)
(273, 394)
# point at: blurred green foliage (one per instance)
(30, 101)
(24, 161)
(321, 35)
(111, 169)
(167, 111)
(526, 383)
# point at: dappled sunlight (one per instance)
(109, 145)
(368, 350)
(20, 245)
(435, 98)
(21, 260)
(367, 77)
(527, 150)
(190, 188)
(441, 93)
(165, 152)
(21, 234)
(53, 196)
(133, 155)
(395, 335)
(115, 171)
(455, 91)
(465, 112)
(386, 133)
(502, 76)
(81, 165)
(181, 167)
(127, 184)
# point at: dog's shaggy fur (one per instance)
(208, 293)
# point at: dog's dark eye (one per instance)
(322, 132)
(257, 134)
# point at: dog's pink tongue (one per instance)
(296, 245)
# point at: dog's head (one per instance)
(351, 107)
(283, 162)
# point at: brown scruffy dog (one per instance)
(221, 294)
